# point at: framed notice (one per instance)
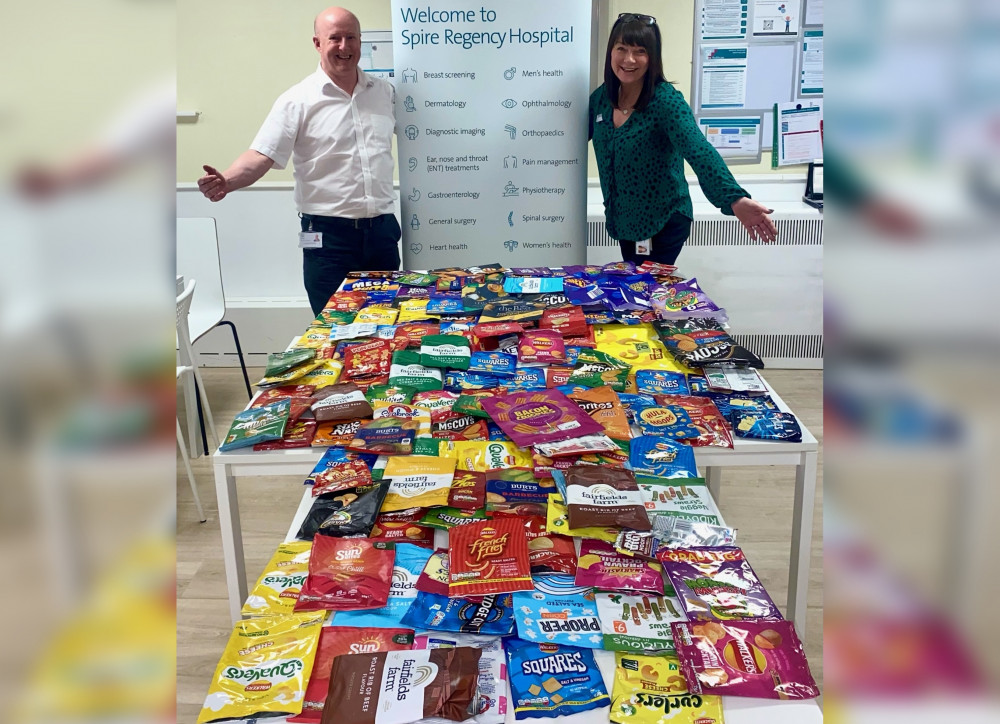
(737, 138)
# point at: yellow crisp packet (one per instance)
(314, 338)
(652, 690)
(326, 374)
(377, 315)
(384, 408)
(265, 667)
(557, 521)
(417, 481)
(612, 333)
(644, 355)
(293, 374)
(278, 587)
(485, 455)
(412, 310)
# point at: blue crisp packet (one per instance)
(526, 378)
(442, 304)
(599, 316)
(454, 327)
(496, 432)
(582, 292)
(532, 285)
(633, 404)
(765, 425)
(376, 297)
(623, 268)
(410, 561)
(497, 363)
(458, 380)
(371, 285)
(729, 402)
(661, 457)
(661, 382)
(560, 481)
(698, 385)
(493, 616)
(385, 331)
(550, 680)
(558, 611)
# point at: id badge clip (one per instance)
(310, 239)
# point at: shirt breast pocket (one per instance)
(382, 127)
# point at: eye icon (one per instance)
(509, 103)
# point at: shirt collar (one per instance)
(365, 81)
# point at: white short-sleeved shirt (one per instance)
(340, 145)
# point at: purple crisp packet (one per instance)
(536, 416)
(717, 584)
(636, 288)
(684, 299)
(531, 271)
(582, 292)
(413, 292)
(601, 566)
(619, 267)
(581, 270)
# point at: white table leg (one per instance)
(713, 479)
(232, 539)
(802, 526)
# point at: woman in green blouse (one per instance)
(643, 131)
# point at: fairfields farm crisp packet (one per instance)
(278, 587)
(557, 521)
(418, 481)
(652, 690)
(265, 668)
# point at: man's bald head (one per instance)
(334, 16)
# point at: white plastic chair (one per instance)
(198, 259)
(184, 344)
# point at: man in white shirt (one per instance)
(336, 127)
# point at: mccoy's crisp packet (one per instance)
(264, 668)
(550, 680)
(410, 561)
(347, 574)
(559, 611)
(601, 566)
(717, 583)
(482, 456)
(543, 416)
(278, 587)
(744, 658)
(652, 690)
(638, 622)
(418, 481)
(488, 558)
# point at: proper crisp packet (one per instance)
(544, 416)
(597, 496)
(744, 658)
(490, 615)
(489, 557)
(347, 574)
(410, 561)
(558, 611)
(717, 583)
(638, 622)
(652, 690)
(601, 566)
(549, 680)
(492, 682)
(277, 649)
(256, 425)
(418, 481)
(277, 589)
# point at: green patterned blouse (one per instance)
(641, 164)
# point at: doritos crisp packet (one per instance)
(488, 558)
(651, 690)
(543, 416)
(603, 405)
(278, 651)
(277, 589)
(256, 425)
(418, 481)
(549, 680)
(347, 574)
(638, 622)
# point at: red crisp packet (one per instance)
(413, 332)
(541, 345)
(343, 476)
(403, 528)
(497, 329)
(552, 554)
(705, 417)
(557, 376)
(273, 394)
(568, 321)
(336, 641)
(371, 359)
(437, 402)
(434, 577)
(468, 489)
(761, 659)
(347, 574)
(489, 557)
(346, 301)
(299, 434)
(537, 416)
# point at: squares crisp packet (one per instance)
(744, 658)
(651, 689)
(601, 566)
(549, 680)
(638, 622)
(488, 558)
(558, 611)
(542, 416)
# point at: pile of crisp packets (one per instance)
(509, 484)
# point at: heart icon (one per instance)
(416, 247)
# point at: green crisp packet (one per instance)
(471, 403)
(413, 279)
(406, 371)
(445, 350)
(335, 317)
(390, 393)
(615, 379)
(278, 362)
(445, 518)
(258, 424)
(426, 446)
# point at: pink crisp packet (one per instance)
(601, 566)
(761, 659)
(537, 416)
(542, 345)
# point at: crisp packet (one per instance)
(497, 363)
(460, 381)
(460, 428)
(661, 457)
(544, 416)
(717, 583)
(434, 577)
(492, 682)
(526, 378)
(544, 346)
(347, 574)
(586, 445)
(568, 321)
(638, 622)
(407, 371)
(436, 402)
(377, 315)
(488, 557)
(557, 521)
(704, 424)
(602, 496)
(344, 401)
(411, 310)
(352, 331)
(399, 394)
(345, 513)
(492, 615)
(761, 659)
(403, 411)
(485, 456)
(559, 611)
(549, 680)
(652, 690)
(766, 425)
(280, 650)
(371, 359)
(417, 481)
(445, 350)
(601, 566)
(326, 374)
(703, 341)
(337, 433)
(471, 402)
(410, 561)
(336, 641)
(468, 490)
(532, 285)
(385, 436)
(280, 362)
(256, 425)
(277, 589)
(677, 532)
(661, 382)
(447, 518)
(399, 528)
(338, 470)
(511, 310)
(582, 292)
(670, 421)
(517, 492)
(603, 405)
(313, 338)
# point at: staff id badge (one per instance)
(642, 247)
(310, 239)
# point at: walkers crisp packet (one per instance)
(652, 690)
(489, 557)
(278, 587)
(544, 416)
(550, 680)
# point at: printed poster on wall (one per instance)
(491, 123)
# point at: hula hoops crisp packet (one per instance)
(278, 587)
(264, 668)
(652, 690)
(418, 481)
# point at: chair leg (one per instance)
(201, 416)
(239, 352)
(187, 466)
(210, 421)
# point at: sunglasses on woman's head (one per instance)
(629, 17)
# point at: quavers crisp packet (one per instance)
(278, 587)
(489, 615)
(410, 561)
(717, 583)
(549, 680)
(347, 574)
(336, 641)
(264, 668)
(559, 611)
(543, 416)
(418, 481)
(744, 658)
(638, 622)
(601, 566)
(652, 690)
(482, 457)
(488, 558)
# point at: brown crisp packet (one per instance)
(344, 401)
(604, 496)
(392, 684)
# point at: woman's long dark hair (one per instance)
(636, 32)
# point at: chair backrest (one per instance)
(183, 309)
(198, 258)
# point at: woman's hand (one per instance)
(755, 219)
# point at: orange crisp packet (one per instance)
(603, 405)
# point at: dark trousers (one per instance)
(666, 244)
(348, 245)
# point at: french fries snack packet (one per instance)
(347, 574)
(652, 690)
(418, 481)
(264, 668)
(488, 558)
(278, 587)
